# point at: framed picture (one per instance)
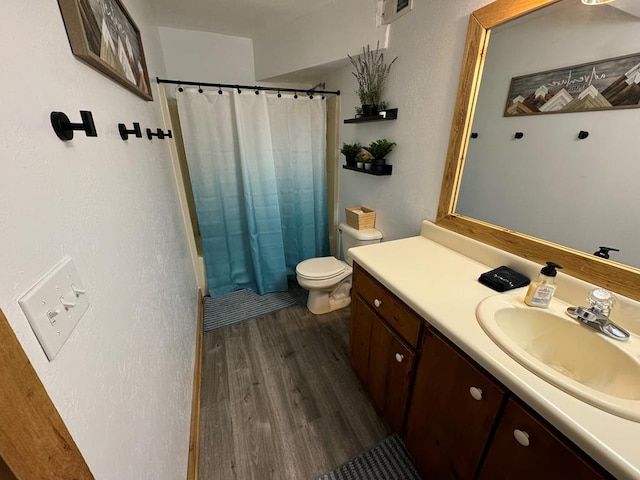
(103, 35)
(603, 85)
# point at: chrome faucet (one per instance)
(596, 316)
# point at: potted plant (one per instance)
(363, 158)
(350, 150)
(379, 150)
(371, 74)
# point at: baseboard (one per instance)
(194, 437)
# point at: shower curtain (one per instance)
(258, 171)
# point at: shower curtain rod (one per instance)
(310, 91)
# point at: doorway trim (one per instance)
(34, 441)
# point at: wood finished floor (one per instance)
(280, 400)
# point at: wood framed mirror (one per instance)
(617, 277)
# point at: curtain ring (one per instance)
(239, 91)
(219, 90)
(257, 92)
(180, 89)
(295, 95)
(279, 94)
(200, 89)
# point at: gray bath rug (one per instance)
(388, 460)
(242, 305)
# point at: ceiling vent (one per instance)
(391, 10)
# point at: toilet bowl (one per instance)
(329, 279)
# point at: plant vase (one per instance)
(359, 164)
(377, 164)
(369, 110)
(351, 161)
(367, 165)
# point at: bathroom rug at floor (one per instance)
(242, 305)
(388, 460)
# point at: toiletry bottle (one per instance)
(542, 289)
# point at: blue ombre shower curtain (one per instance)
(258, 170)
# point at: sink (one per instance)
(578, 360)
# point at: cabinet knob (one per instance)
(377, 302)
(522, 437)
(399, 357)
(476, 393)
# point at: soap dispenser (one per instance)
(542, 289)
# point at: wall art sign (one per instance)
(103, 35)
(602, 85)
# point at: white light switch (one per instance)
(54, 305)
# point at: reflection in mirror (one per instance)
(612, 275)
(581, 193)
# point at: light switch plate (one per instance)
(54, 306)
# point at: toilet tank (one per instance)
(351, 237)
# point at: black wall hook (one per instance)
(518, 135)
(474, 134)
(582, 134)
(124, 133)
(159, 133)
(64, 128)
(604, 251)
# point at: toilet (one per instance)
(329, 279)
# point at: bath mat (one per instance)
(242, 305)
(388, 460)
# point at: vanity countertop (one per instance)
(441, 285)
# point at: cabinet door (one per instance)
(382, 361)
(360, 337)
(524, 448)
(453, 408)
(391, 365)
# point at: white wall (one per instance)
(579, 193)
(206, 57)
(429, 42)
(123, 381)
(319, 38)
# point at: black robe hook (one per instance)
(518, 135)
(124, 133)
(582, 134)
(64, 128)
(159, 133)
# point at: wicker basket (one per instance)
(360, 221)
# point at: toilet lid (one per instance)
(320, 268)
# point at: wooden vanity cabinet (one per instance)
(383, 338)
(461, 422)
(454, 406)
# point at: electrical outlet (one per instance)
(54, 306)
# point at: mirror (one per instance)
(516, 239)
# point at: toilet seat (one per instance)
(321, 268)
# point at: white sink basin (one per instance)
(580, 361)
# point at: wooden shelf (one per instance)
(386, 170)
(391, 114)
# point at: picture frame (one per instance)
(103, 35)
(608, 84)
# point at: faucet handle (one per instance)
(601, 301)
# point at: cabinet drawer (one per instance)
(399, 317)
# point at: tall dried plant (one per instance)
(371, 74)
